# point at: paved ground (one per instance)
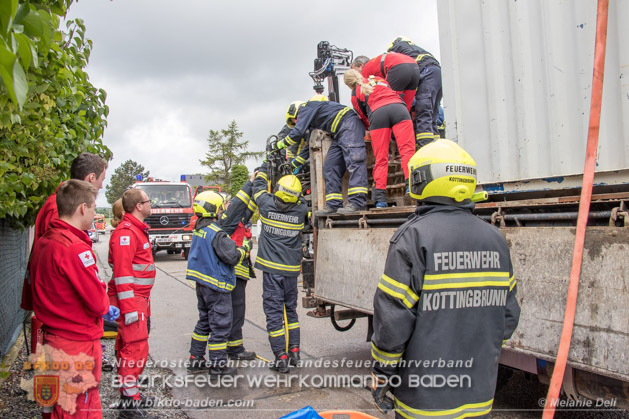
(258, 392)
(328, 383)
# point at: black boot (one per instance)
(220, 368)
(243, 355)
(325, 211)
(379, 197)
(197, 365)
(134, 408)
(294, 360)
(281, 363)
(349, 209)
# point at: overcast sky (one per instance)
(173, 70)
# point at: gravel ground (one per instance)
(14, 403)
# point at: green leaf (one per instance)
(20, 84)
(47, 27)
(7, 11)
(22, 12)
(7, 59)
(24, 50)
(33, 24)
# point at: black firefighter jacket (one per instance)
(442, 311)
(279, 251)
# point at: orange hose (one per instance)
(584, 207)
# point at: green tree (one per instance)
(226, 151)
(123, 177)
(49, 111)
(239, 176)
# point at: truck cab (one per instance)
(171, 213)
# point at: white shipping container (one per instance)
(517, 79)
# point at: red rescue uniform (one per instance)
(383, 111)
(131, 256)
(399, 70)
(46, 214)
(70, 300)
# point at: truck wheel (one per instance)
(177, 251)
(170, 252)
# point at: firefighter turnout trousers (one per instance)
(234, 344)
(280, 292)
(347, 152)
(427, 100)
(382, 121)
(214, 325)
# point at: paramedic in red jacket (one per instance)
(382, 111)
(88, 167)
(399, 70)
(68, 297)
(130, 289)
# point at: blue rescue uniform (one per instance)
(211, 264)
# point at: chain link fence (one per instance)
(14, 245)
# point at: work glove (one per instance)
(112, 314)
(131, 318)
(246, 245)
(296, 166)
(379, 387)
(278, 145)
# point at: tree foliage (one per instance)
(123, 177)
(49, 110)
(226, 150)
(239, 176)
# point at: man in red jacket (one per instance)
(130, 289)
(68, 296)
(87, 167)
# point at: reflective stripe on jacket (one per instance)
(443, 308)
(204, 264)
(131, 255)
(279, 249)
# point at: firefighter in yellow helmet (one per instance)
(211, 264)
(298, 153)
(283, 215)
(446, 302)
(346, 153)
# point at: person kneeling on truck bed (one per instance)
(283, 215)
(346, 153)
(446, 302)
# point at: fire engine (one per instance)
(171, 213)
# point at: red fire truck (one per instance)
(170, 219)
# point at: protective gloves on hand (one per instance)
(131, 317)
(296, 166)
(379, 387)
(246, 245)
(279, 144)
(112, 314)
